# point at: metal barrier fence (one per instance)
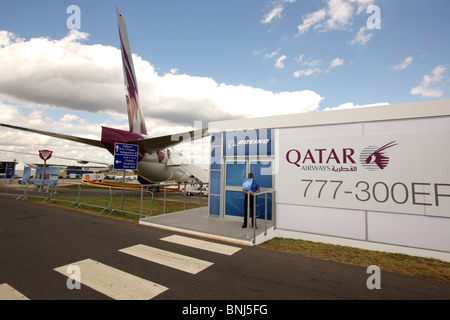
(268, 197)
(139, 200)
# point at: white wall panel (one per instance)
(322, 131)
(409, 230)
(326, 221)
(407, 126)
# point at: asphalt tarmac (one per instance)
(35, 239)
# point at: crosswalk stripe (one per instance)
(170, 259)
(202, 244)
(9, 293)
(112, 282)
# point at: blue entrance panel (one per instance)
(236, 174)
(235, 203)
(260, 206)
(262, 170)
(214, 187)
(233, 155)
(214, 205)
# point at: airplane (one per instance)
(154, 158)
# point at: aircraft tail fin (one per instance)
(135, 116)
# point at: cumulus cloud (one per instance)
(279, 63)
(340, 13)
(68, 74)
(6, 38)
(429, 87)
(336, 62)
(311, 66)
(61, 73)
(275, 12)
(70, 87)
(307, 62)
(271, 54)
(362, 37)
(337, 15)
(403, 65)
(306, 72)
(38, 117)
(311, 19)
(362, 5)
(351, 105)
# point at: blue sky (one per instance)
(200, 59)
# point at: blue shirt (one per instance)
(254, 186)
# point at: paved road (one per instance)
(38, 243)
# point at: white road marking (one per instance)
(112, 282)
(170, 259)
(202, 244)
(9, 293)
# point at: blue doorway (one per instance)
(236, 172)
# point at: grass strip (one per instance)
(431, 269)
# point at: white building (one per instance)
(375, 178)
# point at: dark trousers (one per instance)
(252, 202)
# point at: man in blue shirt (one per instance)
(250, 186)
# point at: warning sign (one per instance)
(45, 154)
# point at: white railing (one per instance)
(264, 193)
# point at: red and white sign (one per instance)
(45, 154)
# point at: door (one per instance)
(263, 172)
(236, 173)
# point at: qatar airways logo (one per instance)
(372, 158)
(323, 159)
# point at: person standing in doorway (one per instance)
(250, 187)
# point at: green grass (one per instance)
(131, 207)
(431, 269)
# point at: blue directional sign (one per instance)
(125, 156)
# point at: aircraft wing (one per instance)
(81, 161)
(145, 145)
(91, 142)
(163, 142)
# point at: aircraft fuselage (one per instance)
(152, 166)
